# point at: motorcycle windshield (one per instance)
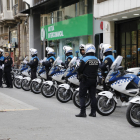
(114, 68)
(57, 62)
(73, 61)
(69, 69)
(117, 63)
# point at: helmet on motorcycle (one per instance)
(106, 48)
(50, 50)
(90, 48)
(67, 50)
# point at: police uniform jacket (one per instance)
(48, 63)
(8, 64)
(89, 66)
(33, 63)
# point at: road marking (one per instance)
(8, 103)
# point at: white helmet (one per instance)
(90, 48)
(33, 51)
(1, 50)
(82, 46)
(106, 48)
(67, 49)
(50, 50)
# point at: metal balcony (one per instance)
(36, 2)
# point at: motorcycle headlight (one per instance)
(107, 79)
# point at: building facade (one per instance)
(59, 23)
(121, 27)
(13, 30)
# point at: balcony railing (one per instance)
(15, 10)
(36, 2)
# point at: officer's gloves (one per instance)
(25, 62)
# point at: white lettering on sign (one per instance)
(55, 34)
(51, 28)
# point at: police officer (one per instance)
(107, 62)
(1, 66)
(50, 59)
(88, 69)
(7, 70)
(33, 63)
(82, 50)
(69, 55)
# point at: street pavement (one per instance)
(27, 116)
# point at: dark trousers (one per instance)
(88, 85)
(1, 77)
(8, 79)
(33, 74)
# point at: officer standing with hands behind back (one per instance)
(7, 70)
(88, 70)
(1, 66)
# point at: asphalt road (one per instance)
(27, 116)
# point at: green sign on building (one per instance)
(78, 26)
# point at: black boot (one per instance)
(92, 114)
(82, 114)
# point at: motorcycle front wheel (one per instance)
(17, 83)
(25, 85)
(104, 107)
(63, 95)
(133, 114)
(48, 91)
(35, 87)
(76, 99)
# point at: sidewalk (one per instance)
(8, 103)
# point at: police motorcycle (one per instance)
(49, 88)
(24, 71)
(122, 84)
(36, 84)
(65, 91)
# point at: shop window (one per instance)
(45, 21)
(8, 4)
(1, 7)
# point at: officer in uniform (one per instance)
(69, 55)
(1, 66)
(33, 63)
(88, 70)
(50, 59)
(82, 50)
(7, 70)
(107, 62)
